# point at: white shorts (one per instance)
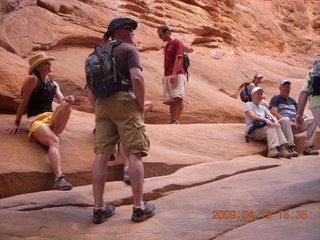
(175, 90)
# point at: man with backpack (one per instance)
(311, 88)
(174, 75)
(119, 115)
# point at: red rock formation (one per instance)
(230, 41)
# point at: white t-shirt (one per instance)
(258, 110)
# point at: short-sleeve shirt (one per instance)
(314, 100)
(172, 51)
(258, 110)
(287, 107)
(127, 56)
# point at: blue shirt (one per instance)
(287, 107)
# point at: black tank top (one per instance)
(41, 98)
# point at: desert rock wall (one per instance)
(228, 42)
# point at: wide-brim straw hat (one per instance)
(37, 59)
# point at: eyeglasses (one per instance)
(130, 29)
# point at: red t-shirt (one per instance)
(172, 50)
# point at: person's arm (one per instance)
(177, 64)
(302, 101)
(275, 112)
(275, 123)
(28, 85)
(138, 85)
(92, 99)
(60, 97)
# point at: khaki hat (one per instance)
(285, 82)
(37, 59)
(256, 89)
(258, 75)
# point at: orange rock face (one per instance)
(229, 40)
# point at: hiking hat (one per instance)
(256, 89)
(258, 75)
(37, 59)
(117, 23)
(285, 81)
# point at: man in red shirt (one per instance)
(174, 76)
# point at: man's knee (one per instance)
(177, 99)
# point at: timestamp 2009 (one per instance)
(251, 214)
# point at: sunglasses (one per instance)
(130, 29)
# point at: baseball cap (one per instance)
(117, 23)
(258, 75)
(256, 89)
(285, 81)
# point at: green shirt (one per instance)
(314, 100)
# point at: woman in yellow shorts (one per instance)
(44, 125)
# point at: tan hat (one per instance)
(256, 89)
(37, 59)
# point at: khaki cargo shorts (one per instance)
(119, 117)
(174, 90)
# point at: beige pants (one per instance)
(316, 114)
(309, 125)
(273, 135)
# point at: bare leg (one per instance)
(99, 175)
(136, 173)
(60, 117)
(172, 111)
(178, 108)
(46, 137)
(122, 157)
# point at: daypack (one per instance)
(186, 64)
(314, 82)
(244, 94)
(103, 77)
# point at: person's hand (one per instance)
(299, 119)
(173, 78)
(296, 125)
(162, 80)
(69, 99)
(13, 129)
(272, 124)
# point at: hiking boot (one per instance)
(139, 214)
(61, 183)
(126, 178)
(100, 215)
(292, 152)
(273, 153)
(284, 152)
(310, 151)
(174, 122)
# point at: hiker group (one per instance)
(278, 121)
(116, 91)
(115, 88)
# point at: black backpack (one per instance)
(244, 94)
(186, 64)
(315, 83)
(102, 75)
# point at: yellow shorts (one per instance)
(34, 123)
(119, 117)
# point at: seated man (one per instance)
(284, 108)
